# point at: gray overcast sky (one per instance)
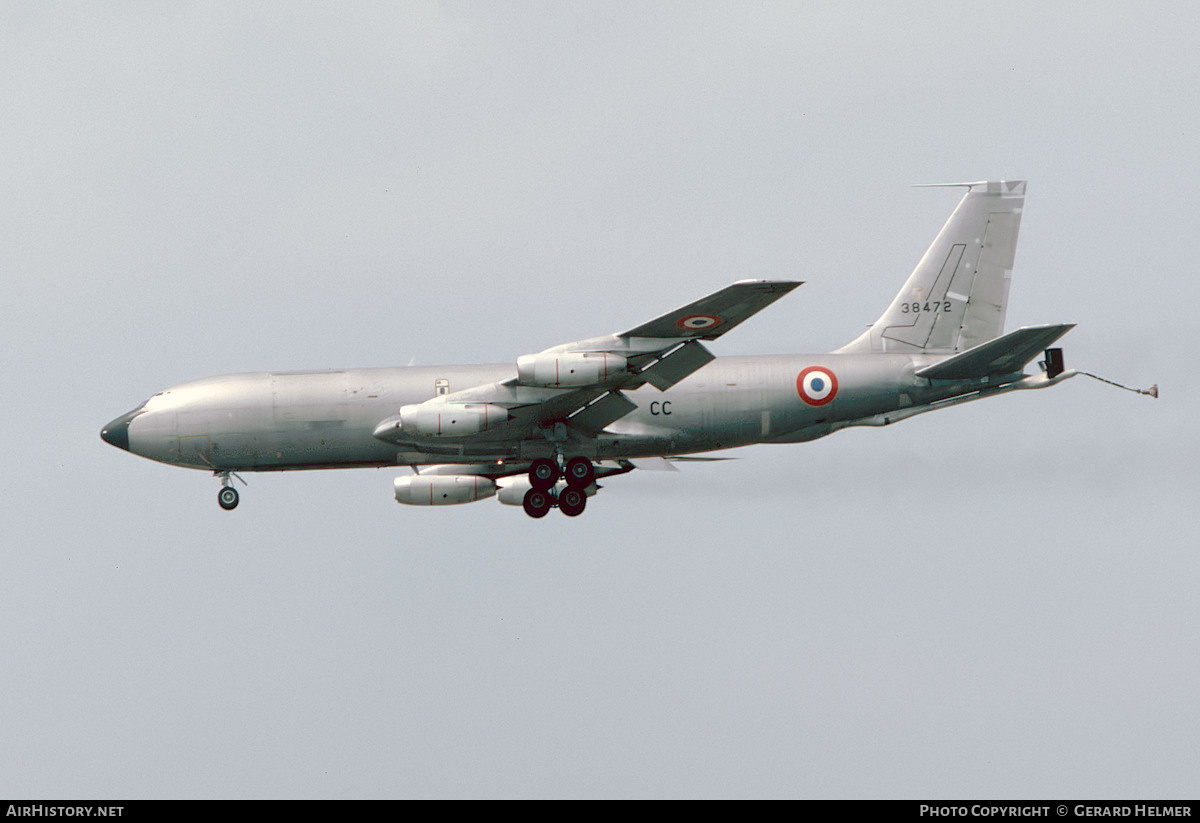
(998, 600)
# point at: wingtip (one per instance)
(772, 285)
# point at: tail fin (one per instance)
(956, 296)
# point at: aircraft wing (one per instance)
(710, 317)
(667, 349)
(581, 384)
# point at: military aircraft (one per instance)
(540, 433)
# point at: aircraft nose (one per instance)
(116, 433)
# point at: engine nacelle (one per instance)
(442, 489)
(512, 489)
(570, 369)
(451, 419)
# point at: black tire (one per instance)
(543, 474)
(572, 501)
(580, 472)
(537, 502)
(227, 498)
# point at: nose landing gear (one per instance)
(227, 497)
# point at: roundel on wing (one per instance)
(698, 322)
(817, 385)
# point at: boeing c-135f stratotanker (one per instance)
(539, 433)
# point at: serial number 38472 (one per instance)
(917, 308)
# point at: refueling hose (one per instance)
(1152, 391)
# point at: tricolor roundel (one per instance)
(698, 322)
(817, 385)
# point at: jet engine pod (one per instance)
(512, 489)
(450, 419)
(442, 490)
(571, 369)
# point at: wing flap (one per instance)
(678, 364)
(607, 409)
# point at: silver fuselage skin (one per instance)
(325, 419)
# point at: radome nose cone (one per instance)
(116, 433)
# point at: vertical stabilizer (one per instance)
(956, 296)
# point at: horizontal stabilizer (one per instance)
(1004, 355)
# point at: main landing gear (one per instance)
(544, 474)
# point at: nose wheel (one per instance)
(227, 497)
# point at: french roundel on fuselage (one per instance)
(817, 385)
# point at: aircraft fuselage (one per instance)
(539, 432)
(325, 419)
